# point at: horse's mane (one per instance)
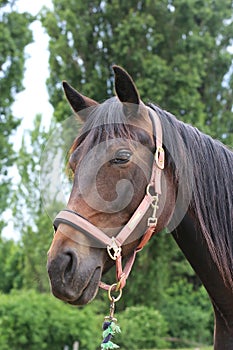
(212, 185)
(107, 121)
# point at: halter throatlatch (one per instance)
(114, 244)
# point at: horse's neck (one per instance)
(192, 244)
(190, 240)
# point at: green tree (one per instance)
(14, 36)
(30, 218)
(142, 327)
(189, 314)
(11, 259)
(177, 51)
(29, 320)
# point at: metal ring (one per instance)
(148, 190)
(114, 285)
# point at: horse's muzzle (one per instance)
(68, 283)
(61, 272)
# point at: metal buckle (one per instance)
(159, 157)
(152, 222)
(116, 249)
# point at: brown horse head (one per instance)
(111, 160)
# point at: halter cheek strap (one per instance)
(114, 244)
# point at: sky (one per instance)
(28, 103)
(33, 99)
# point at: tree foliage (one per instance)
(29, 320)
(188, 313)
(11, 258)
(177, 52)
(142, 327)
(14, 36)
(30, 217)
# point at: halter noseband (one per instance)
(114, 244)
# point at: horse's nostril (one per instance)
(70, 264)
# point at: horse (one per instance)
(136, 170)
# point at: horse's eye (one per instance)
(122, 157)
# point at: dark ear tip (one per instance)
(118, 69)
(68, 89)
(65, 84)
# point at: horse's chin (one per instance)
(90, 291)
(74, 296)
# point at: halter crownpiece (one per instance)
(114, 244)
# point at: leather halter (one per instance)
(114, 244)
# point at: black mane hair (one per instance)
(210, 183)
(107, 121)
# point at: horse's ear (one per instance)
(77, 101)
(124, 86)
